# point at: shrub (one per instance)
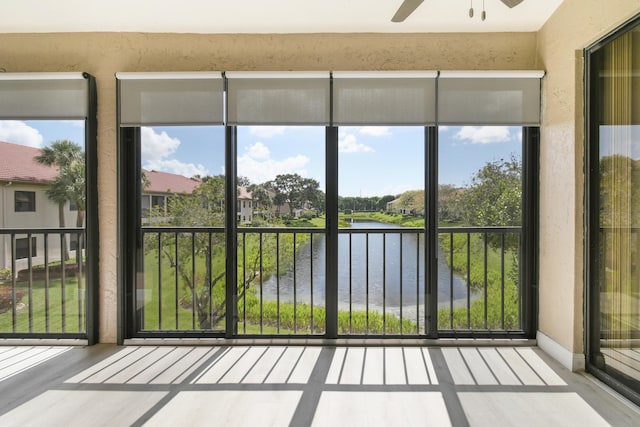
(6, 298)
(5, 274)
(38, 272)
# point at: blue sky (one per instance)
(373, 161)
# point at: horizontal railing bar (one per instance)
(47, 230)
(399, 230)
(497, 230)
(183, 229)
(288, 230)
(620, 228)
(284, 230)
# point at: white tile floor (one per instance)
(300, 386)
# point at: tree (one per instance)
(204, 207)
(494, 198)
(296, 192)
(412, 200)
(449, 206)
(382, 202)
(69, 185)
(243, 181)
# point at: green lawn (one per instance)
(461, 318)
(72, 305)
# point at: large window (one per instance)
(480, 197)
(614, 209)
(47, 158)
(319, 215)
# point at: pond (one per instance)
(392, 281)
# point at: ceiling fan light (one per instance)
(511, 3)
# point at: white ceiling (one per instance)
(268, 16)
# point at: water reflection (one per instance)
(394, 277)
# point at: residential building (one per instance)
(25, 204)
(158, 186)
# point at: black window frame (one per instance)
(24, 206)
(22, 248)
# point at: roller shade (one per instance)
(26, 96)
(193, 98)
(286, 98)
(384, 98)
(489, 98)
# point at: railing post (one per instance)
(331, 291)
(431, 231)
(529, 237)
(231, 322)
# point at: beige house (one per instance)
(159, 186)
(23, 183)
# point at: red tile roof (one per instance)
(164, 182)
(17, 164)
(244, 194)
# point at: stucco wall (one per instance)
(103, 54)
(575, 25)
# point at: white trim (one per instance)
(42, 76)
(385, 74)
(572, 361)
(493, 74)
(161, 75)
(277, 74)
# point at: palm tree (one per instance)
(69, 185)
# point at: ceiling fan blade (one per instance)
(512, 3)
(406, 8)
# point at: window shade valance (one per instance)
(384, 98)
(147, 99)
(288, 98)
(489, 98)
(344, 98)
(26, 96)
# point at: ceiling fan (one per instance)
(408, 6)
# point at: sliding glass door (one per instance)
(614, 197)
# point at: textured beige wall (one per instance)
(103, 54)
(575, 25)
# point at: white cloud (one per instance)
(385, 190)
(267, 131)
(259, 151)
(349, 144)
(484, 134)
(375, 131)
(443, 128)
(257, 165)
(18, 132)
(157, 147)
(177, 167)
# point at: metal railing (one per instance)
(42, 290)
(281, 282)
(488, 260)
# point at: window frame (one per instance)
(30, 204)
(22, 248)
